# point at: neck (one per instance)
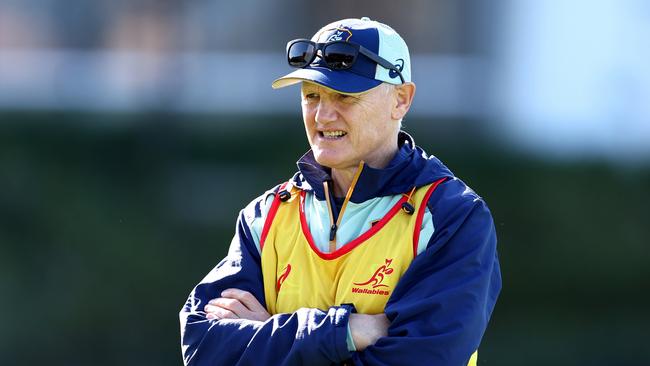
(343, 177)
(343, 180)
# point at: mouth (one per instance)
(332, 135)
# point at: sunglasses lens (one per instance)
(340, 55)
(300, 54)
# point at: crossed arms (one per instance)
(238, 304)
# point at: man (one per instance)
(373, 253)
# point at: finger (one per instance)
(225, 314)
(232, 305)
(219, 313)
(210, 309)
(245, 298)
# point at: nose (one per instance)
(325, 111)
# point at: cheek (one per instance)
(309, 123)
(376, 130)
(309, 113)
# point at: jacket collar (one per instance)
(410, 167)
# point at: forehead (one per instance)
(307, 85)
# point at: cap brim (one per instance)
(342, 81)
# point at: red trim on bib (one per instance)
(271, 215)
(354, 243)
(421, 210)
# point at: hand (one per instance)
(367, 329)
(236, 304)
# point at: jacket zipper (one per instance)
(335, 225)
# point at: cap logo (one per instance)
(340, 34)
(399, 66)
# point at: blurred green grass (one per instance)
(108, 220)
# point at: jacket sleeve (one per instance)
(440, 308)
(308, 336)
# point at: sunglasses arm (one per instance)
(381, 61)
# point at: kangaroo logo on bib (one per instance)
(376, 281)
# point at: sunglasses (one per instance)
(338, 55)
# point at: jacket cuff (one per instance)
(340, 318)
(350, 340)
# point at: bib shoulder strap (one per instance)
(421, 210)
(282, 195)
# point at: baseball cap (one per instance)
(364, 74)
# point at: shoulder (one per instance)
(454, 206)
(453, 193)
(255, 214)
(259, 207)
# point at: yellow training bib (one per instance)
(363, 272)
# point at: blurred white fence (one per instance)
(203, 82)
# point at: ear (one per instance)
(403, 98)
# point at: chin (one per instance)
(327, 160)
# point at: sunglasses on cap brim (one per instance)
(338, 55)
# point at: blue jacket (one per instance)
(438, 311)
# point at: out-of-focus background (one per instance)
(132, 133)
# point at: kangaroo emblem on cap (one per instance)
(339, 34)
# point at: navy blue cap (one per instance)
(364, 74)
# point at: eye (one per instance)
(346, 98)
(311, 97)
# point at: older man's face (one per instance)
(344, 129)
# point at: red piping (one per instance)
(421, 210)
(354, 243)
(271, 215)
